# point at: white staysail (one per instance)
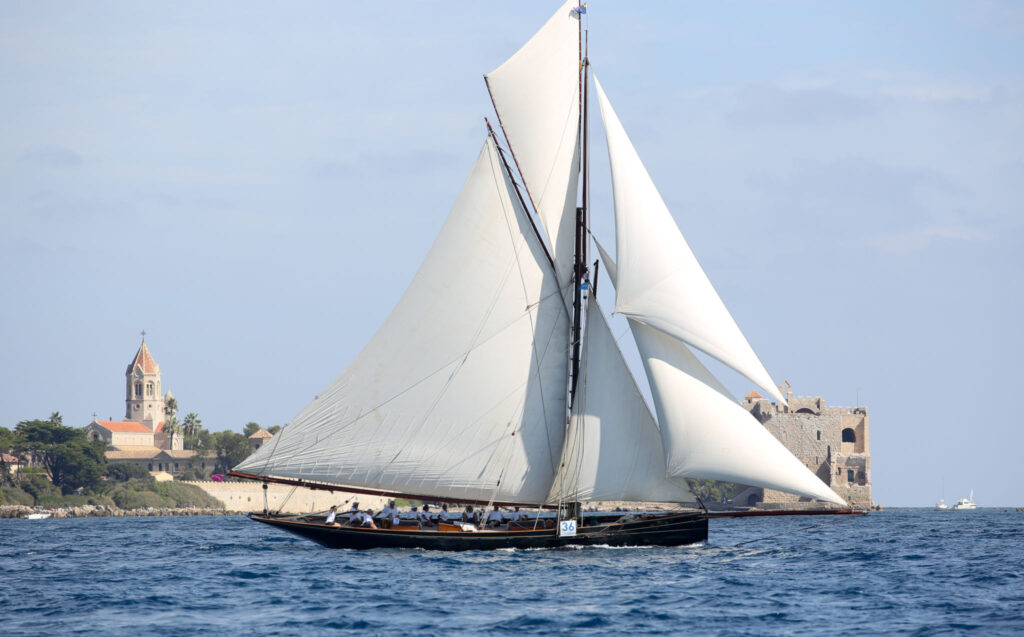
(660, 282)
(536, 94)
(613, 450)
(461, 393)
(706, 433)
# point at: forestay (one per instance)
(660, 282)
(461, 393)
(613, 450)
(536, 94)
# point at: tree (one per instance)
(72, 460)
(191, 425)
(250, 428)
(171, 424)
(274, 429)
(231, 448)
(6, 446)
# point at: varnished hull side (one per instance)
(663, 530)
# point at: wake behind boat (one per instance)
(496, 379)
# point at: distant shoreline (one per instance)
(10, 511)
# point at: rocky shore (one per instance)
(100, 511)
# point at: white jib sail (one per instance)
(660, 282)
(536, 95)
(705, 432)
(461, 393)
(613, 450)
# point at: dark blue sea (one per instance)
(916, 572)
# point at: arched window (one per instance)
(149, 389)
(138, 390)
(849, 435)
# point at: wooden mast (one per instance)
(580, 259)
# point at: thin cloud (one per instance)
(920, 239)
(52, 157)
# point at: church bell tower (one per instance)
(144, 400)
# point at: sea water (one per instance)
(919, 572)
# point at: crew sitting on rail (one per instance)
(363, 519)
(388, 511)
(470, 516)
(353, 510)
(413, 514)
(444, 516)
(387, 514)
(424, 516)
(495, 517)
(331, 515)
(518, 516)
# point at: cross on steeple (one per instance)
(143, 332)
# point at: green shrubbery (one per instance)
(14, 495)
(73, 470)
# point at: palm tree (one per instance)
(192, 424)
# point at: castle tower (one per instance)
(144, 402)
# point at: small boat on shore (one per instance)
(38, 516)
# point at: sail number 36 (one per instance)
(567, 528)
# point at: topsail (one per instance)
(536, 94)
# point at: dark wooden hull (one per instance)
(673, 529)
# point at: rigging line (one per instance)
(806, 528)
(286, 498)
(533, 324)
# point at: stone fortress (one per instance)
(831, 441)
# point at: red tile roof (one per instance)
(159, 428)
(262, 433)
(123, 426)
(144, 360)
(754, 395)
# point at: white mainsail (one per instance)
(461, 393)
(705, 432)
(536, 94)
(613, 450)
(660, 282)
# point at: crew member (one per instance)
(331, 515)
(495, 517)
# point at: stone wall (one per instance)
(814, 433)
(247, 496)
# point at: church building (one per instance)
(140, 437)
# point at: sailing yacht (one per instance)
(496, 379)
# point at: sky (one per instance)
(254, 185)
